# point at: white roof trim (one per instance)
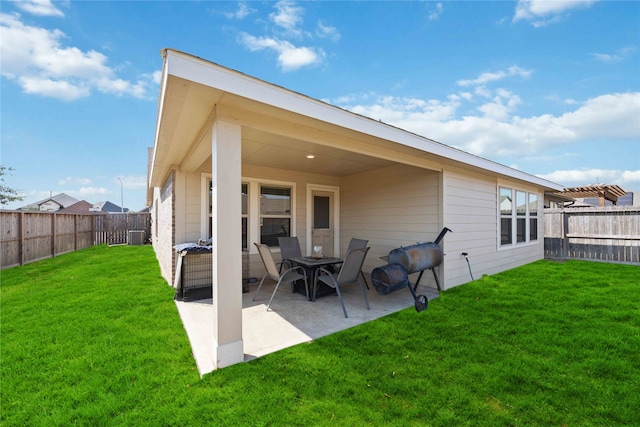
(207, 73)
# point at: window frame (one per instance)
(521, 217)
(274, 216)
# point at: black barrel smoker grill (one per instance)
(404, 261)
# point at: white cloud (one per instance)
(288, 20)
(435, 12)
(38, 7)
(501, 106)
(607, 116)
(74, 180)
(133, 182)
(496, 132)
(327, 31)
(619, 55)
(545, 12)
(241, 12)
(36, 59)
(92, 191)
(290, 57)
(488, 77)
(64, 90)
(288, 16)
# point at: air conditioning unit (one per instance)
(136, 238)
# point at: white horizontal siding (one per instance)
(391, 207)
(471, 211)
(192, 209)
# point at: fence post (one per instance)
(564, 244)
(53, 236)
(21, 238)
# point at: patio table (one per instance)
(311, 265)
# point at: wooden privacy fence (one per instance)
(609, 233)
(30, 236)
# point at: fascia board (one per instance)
(154, 178)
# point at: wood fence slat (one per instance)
(610, 233)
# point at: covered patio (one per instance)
(291, 320)
(231, 149)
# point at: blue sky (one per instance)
(548, 87)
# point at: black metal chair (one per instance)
(290, 275)
(289, 248)
(357, 244)
(350, 272)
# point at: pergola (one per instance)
(602, 191)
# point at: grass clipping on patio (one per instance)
(94, 338)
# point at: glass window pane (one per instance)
(533, 229)
(505, 201)
(244, 233)
(505, 231)
(245, 193)
(521, 223)
(521, 203)
(533, 204)
(210, 197)
(275, 201)
(272, 228)
(321, 212)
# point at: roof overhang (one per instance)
(194, 92)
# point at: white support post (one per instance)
(228, 347)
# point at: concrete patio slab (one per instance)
(291, 319)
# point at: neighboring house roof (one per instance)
(82, 207)
(626, 200)
(195, 91)
(110, 207)
(62, 200)
(629, 199)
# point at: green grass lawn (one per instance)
(93, 338)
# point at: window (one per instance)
(506, 212)
(533, 216)
(245, 214)
(275, 214)
(266, 210)
(210, 210)
(519, 212)
(521, 216)
(321, 212)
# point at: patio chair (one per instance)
(288, 276)
(349, 273)
(357, 244)
(289, 248)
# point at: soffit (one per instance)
(186, 107)
(265, 149)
